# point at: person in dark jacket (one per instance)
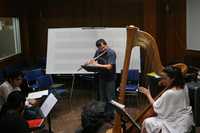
(11, 115)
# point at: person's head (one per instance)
(11, 115)
(15, 78)
(172, 77)
(15, 101)
(93, 116)
(101, 44)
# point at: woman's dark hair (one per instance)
(100, 41)
(14, 75)
(176, 74)
(15, 100)
(10, 115)
(93, 116)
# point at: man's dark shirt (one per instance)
(108, 58)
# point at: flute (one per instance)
(94, 58)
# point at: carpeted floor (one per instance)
(66, 119)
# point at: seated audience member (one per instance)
(11, 115)
(13, 83)
(172, 108)
(94, 119)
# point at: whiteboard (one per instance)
(69, 48)
(193, 24)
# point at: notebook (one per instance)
(37, 94)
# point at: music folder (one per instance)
(35, 123)
(44, 110)
(93, 68)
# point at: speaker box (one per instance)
(194, 94)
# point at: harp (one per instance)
(136, 37)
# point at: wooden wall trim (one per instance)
(163, 19)
(150, 17)
(16, 59)
(171, 30)
(24, 32)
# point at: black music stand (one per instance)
(125, 117)
(93, 68)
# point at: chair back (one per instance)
(44, 81)
(33, 74)
(133, 75)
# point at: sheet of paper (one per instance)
(37, 94)
(48, 104)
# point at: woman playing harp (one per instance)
(135, 37)
(172, 109)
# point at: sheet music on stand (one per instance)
(120, 108)
(48, 104)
